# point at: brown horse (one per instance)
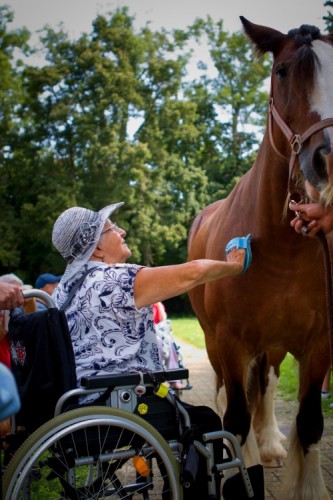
(279, 304)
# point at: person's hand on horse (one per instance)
(238, 250)
(11, 296)
(311, 217)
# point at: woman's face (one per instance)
(112, 244)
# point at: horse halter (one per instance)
(296, 141)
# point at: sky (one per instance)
(77, 15)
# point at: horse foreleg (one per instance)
(268, 435)
(237, 417)
(250, 448)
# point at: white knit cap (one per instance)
(76, 233)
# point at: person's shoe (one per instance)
(325, 394)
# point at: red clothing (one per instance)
(5, 351)
(159, 312)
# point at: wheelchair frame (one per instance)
(87, 466)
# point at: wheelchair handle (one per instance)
(39, 294)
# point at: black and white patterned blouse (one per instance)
(109, 334)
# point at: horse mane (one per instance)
(305, 62)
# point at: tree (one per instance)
(329, 17)
(233, 106)
(11, 43)
(112, 117)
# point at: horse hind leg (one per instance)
(303, 475)
(303, 479)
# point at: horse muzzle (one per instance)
(316, 165)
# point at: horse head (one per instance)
(301, 104)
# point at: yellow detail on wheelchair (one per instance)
(142, 409)
(162, 391)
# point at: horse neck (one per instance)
(268, 185)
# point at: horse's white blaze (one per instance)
(268, 434)
(303, 477)
(322, 97)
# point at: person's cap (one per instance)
(46, 279)
(76, 233)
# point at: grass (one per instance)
(188, 330)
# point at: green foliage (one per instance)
(112, 117)
(329, 16)
(288, 383)
(188, 330)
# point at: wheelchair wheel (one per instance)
(96, 453)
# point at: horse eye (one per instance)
(281, 72)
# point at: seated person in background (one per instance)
(8, 397)
(46, 282)
(110, 316)
(29, 306)
(169, 351)
(159, 313)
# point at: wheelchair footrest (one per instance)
(236, 461)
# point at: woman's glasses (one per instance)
(113, 227)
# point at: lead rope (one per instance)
(329, 292)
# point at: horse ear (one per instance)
(265, 39)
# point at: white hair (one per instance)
(12, 279)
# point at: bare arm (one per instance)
(10, 296)
(316, 216)
(161, 283)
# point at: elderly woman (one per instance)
(108, 303)
(110, 317)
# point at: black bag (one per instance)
(42, 362)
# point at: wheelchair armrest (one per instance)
(127, 379)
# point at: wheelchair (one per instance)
(133, 441)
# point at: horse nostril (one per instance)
(315, 165)
(320, 163)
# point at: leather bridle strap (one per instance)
(296, 141)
